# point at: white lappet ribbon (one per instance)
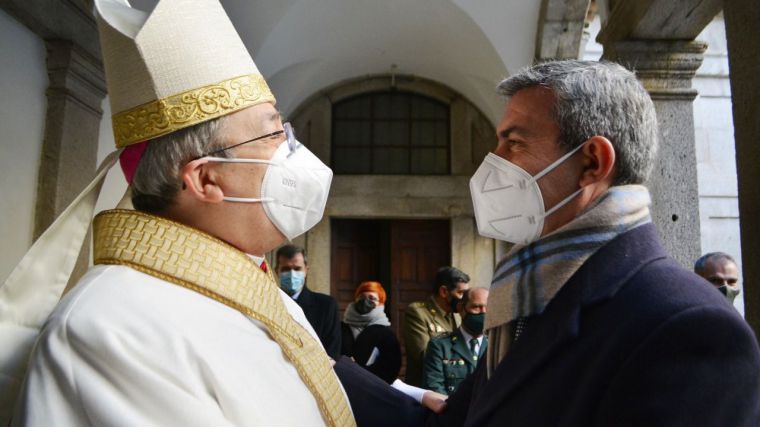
(29, 294)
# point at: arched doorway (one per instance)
(403, 150)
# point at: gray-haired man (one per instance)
(720, 269)
(589, 321)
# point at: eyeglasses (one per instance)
(287, 130)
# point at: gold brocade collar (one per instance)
(192, 259)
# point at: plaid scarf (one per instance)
(529, 276)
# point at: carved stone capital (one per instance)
(664, 67)
(75, 74)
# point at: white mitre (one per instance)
(178, 66)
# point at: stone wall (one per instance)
(402, 197)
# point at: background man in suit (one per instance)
(431, 318)
(451, 357)
(321, 310)
(721, 270)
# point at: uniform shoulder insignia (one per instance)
(417, 304)
(430, 306)
(442, 336)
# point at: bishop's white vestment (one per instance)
(126, 348)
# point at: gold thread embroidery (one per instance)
(163, 116)
(189, 258)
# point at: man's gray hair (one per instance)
(598, 98)
(157, 178)
(700, 266)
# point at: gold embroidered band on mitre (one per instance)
(164, 116)
(192, 259)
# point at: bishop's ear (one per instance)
(200, 181)
(598, 161)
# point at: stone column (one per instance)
(318, 247)
(743, 36)
(666, 68)
(69, 150)
(471, 252)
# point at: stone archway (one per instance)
(399, 197)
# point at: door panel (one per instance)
(360, 251)
(418, 249)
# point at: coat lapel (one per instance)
(546, 334)
(461, 347)
(305, 299)
(543, 339)
(483, 348)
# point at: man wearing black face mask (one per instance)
(450, 358)
(427, 319)
(721, 271)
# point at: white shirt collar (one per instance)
(257, 259)
(467, 337)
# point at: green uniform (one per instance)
(423, 320)
(448, 361)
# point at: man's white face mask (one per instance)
(507, 201)
(295, 186)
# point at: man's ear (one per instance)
(598, 161)
(199, 181)
(442, 291)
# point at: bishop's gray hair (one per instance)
(157, 178)
(598, 98)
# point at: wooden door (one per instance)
(418, 249)
(360, 251)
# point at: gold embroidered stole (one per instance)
(192, 259)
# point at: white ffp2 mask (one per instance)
(294, 189)
(507, 201)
